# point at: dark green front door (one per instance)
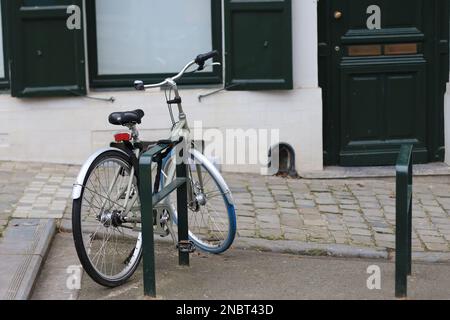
(383, 69)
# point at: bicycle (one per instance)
(106, 216)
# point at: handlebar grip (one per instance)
(202, 58)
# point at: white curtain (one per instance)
(151, 36)
(2, 66)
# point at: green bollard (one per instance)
(403, 250)
(148, 254)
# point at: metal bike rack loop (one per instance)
(404, 196)
(149, 200)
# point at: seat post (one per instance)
(134, 132)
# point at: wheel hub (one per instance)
(111, 219)
(201, 199)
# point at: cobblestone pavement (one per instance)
(34, 190)
(351, 212)
(13, 180)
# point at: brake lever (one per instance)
(201, 68)
(214, 64)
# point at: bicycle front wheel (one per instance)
(211, 214)
(109, 247)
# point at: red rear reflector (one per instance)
(121, 137)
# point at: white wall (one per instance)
(68, 129)
(305, 46)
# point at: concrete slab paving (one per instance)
(61, 263)
(253, 275)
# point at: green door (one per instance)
(47, 51)
(383, 68)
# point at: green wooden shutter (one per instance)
(258, 41)
(47, 59)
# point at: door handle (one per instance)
(337, 15)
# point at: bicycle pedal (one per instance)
(186, 247)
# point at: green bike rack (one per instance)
(149, 200)
(403, 240)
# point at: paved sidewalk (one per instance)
(34, 190)
(252, 275)
(351, 212)
(14, 177)
(61, 263)
(241, 275)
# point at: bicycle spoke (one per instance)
(214, 221)
(113, 202)
(214, 194)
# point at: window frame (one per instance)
(126, 80)
(4, 82)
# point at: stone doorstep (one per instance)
(330, 173)
(22, 252)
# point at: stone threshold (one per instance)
(422, 170)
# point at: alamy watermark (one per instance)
(74, 20)
(239, 147)
(73, 281)
(374, 280)
(374, 20)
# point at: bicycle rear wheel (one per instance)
(108, 248)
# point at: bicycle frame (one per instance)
(180, 129)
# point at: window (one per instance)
(151, 39)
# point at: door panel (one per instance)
(378, 74)
(404, 106)
(362, 90)
(382, 108)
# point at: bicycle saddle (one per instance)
(126, 118)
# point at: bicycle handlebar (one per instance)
(202, 58)
(200, 61)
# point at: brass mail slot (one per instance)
(401, 48)
(365, 50)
